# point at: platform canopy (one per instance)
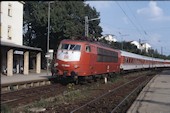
(19, 46)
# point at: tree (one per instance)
(168, 57)
(67, 20)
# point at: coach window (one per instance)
(126, 60)
(88, 49)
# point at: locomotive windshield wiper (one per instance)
(73, 47)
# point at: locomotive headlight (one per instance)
(56, 64)
(76, 66)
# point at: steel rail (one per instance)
(139, 87)
(19, 96)
(4, 102)
(104, 95)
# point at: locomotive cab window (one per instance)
(73, 47)
(64, 46)
(88, 49)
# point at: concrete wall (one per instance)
(15, 21)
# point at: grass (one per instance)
(70, 95)
(118, 79)
(5, 109)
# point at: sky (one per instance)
(147, 21)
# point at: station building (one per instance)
(15, 57)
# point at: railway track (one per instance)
(25, 96)
(114, 100)
(121, 94)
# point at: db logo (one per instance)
(65, 56)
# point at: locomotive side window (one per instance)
(88, 49)
(104, 55)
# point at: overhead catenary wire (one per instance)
(129, 18)
(144, 31)
(141, 30)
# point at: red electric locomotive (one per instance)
(83, 59)
(78, 59)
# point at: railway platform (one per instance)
(22, 77)
(155, 96)
(20, 81)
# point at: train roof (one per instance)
(93, 42)
(86, 41)
(123, 53)
(167, 61)
(129, 54)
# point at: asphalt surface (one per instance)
(22, 78)
(155, 96)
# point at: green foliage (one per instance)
(5, 109)
(66, 21)
(71, 86)
(41, 103)
(168, 57)
(118, 79)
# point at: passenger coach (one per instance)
(132, 61)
